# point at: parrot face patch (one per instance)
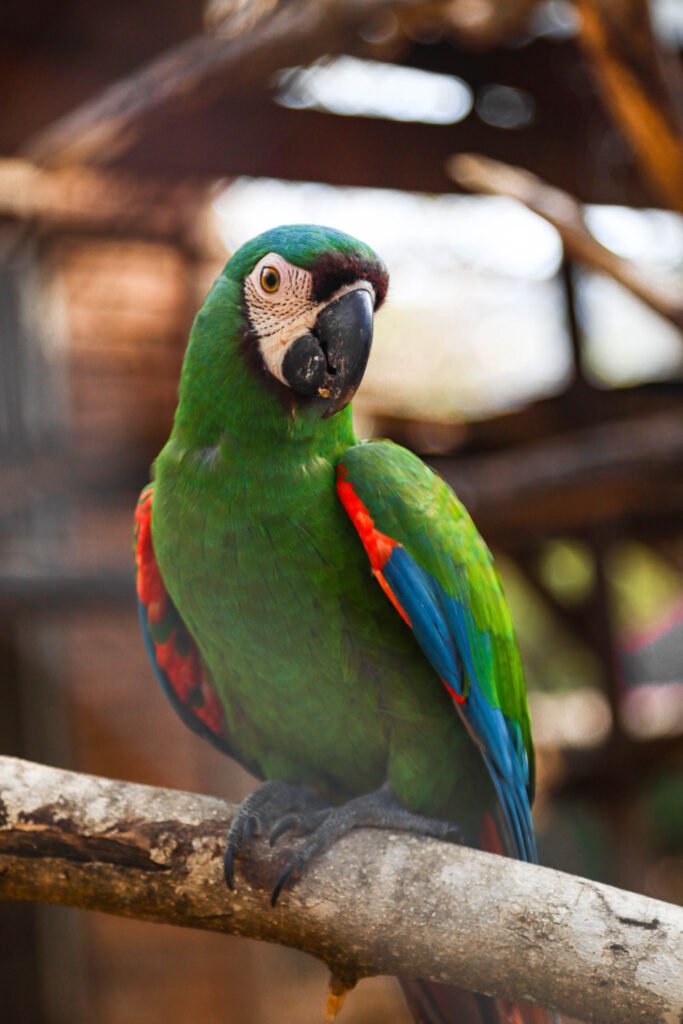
(317, 349)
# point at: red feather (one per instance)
(183, 671)
(378, 545)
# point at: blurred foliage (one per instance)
(577, 839)
(662, 807)
(644, 586)
(644, 589)
(553, 659)
(567, 568)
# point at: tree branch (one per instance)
(480, 174)
(377, 903)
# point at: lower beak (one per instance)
(330, 361)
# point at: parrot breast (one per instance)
(319, 680)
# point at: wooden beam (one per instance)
(111, 203)
(549, 418)
(622, 473)
(479, 174)
(201, 68)
(252, 135)
(61, 584)
(481, 25)
(569, 124)
(644, 98)
(248, 133)
(617, 769)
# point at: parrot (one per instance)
(321, 608)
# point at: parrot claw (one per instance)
(229, 867)
(284, 825)
(271, 809)
(292, 872)
(380, 809)
(247, 830)
(298, 824)
(279, 807)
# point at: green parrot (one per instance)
(323, 609)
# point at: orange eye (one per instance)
(270, 279)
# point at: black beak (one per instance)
(329, 363)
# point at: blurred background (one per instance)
(531, 349)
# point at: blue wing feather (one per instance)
(444, 627)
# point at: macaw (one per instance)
(322, 609)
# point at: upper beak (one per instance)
(330, 361)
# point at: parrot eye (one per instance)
(270, 279)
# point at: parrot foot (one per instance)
(380, 809)
(261, 813)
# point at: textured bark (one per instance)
(377, 903)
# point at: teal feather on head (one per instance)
(310, 246)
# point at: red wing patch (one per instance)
(176, 655)
(377, 545)
(150, 586)
(379, 548)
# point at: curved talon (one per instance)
(229, 866)
(300, 824)
(290, 821)
(243, 834)
(293, 869)
(272, 809)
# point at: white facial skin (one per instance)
(281, 315)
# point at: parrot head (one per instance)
(308, 298)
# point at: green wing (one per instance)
(439, 573)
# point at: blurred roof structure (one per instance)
(208, 105)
